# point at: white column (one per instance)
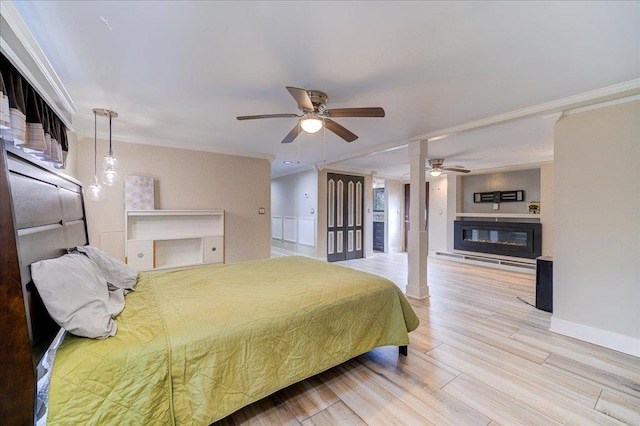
(454, 205)
(418, 237)
(546, 208)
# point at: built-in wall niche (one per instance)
(379, 199)
(502, 238)
(511, 191)
(173, 238)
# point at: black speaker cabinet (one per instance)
(544, 283)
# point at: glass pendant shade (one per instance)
(110, 174)
(110, 161)
(435, 172)
(109, 177)
(311, 125)
(95, 191)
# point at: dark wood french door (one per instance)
(407, 204)
(345, 217)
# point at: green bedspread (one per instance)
(236, 333)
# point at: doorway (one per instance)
(379, 215)
(407, 204)
(345, 217)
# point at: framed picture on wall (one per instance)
(378, 199)
(139, 193)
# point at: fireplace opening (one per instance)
(504, 238)
(495, 237)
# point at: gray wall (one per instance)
(597, 226)
(528, 180)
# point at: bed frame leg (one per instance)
(402, 350)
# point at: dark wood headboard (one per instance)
(41, 215)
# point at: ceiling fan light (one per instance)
(435, 172)
(311, 125)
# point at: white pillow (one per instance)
(117, 273)
(75, 293)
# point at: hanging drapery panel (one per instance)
(17, 106)
(5, 116)
(34, 139)
(32, 124)
(46, 126)
(63, 141)
(56, 144)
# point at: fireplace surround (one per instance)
(517, 239)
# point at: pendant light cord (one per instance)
(110, 150)
(95, 144)
(300, 133)
(324, 144)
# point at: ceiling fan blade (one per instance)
(455, 169)
(293, 134)
(355, 112)
(339, 130)
(302, 98)
(253, 117)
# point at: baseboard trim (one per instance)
(284, 252)
(597, 336)
(503, 263)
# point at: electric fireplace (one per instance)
(505, 238)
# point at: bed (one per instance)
(192, 345)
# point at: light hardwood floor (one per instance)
(480, 356)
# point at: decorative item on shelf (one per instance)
(138, 193)
(534, 207)
(498, 196)
(109, 162)
(94, 191)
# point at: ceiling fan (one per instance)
(436, 167)
(314, 115)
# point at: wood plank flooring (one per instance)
(479, 357)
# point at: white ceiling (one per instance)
(178, 73)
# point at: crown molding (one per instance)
(20, 47)
(593, 97)
(217, 149)
(553, 110)
(602, 105)
(348, 170)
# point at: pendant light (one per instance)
(94, 191)
(110, 163)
